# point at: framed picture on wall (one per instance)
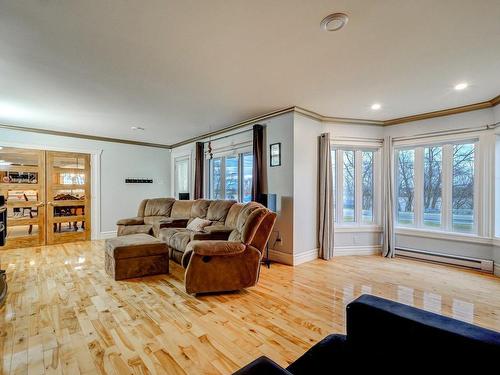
(275, 154)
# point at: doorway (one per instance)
(48, 196)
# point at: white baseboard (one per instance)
(305, 256)
(108, 234)
(357, 250)
(281, 257)
(496, 269)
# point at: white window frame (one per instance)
(178, 159)
(209, 173)
(447, 144)
(371, 146)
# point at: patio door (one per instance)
(68, 197)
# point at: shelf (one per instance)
(68, 187)
(68, 203)
(15, 186)
(20, 168)
(69, 170)
(68, 219)
(25, 204)
(15, 221)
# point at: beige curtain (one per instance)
(389, 240)
(325, 234)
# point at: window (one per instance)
(435, 187)
(349, 203)
(181, 175)
(405, 187)
(432, 186)
(354, 186)
(463, 188)
(230, 177)
(367, 188)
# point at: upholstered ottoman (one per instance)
(135, 255)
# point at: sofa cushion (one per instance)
(180, 240)
(153, 219)
(134, 245)
(198, 224)
(181, 209)
(131, 221)
(158, 207)
(200, 208)
(232, 215)
(218, 210)
(166, 234)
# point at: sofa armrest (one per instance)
(131, 221)
(261, 366)
(171, 222)
(214, 248)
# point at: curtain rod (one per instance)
(448, 132)
(229, 135)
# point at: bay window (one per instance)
(230, 177)
(435, 187)
(354, 186)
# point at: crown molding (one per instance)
(444, 112)
(235, 126)
(82, 136)
(295, 109)
(343, 120)
(495, 101)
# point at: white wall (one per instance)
(305, 187)
(118, 161)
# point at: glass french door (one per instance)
(68, 197)
(22, 183)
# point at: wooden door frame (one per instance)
(95, 179)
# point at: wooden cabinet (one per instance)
(48, 196)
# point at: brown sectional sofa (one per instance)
(224, 256)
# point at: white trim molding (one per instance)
(357, 250)
(305, 256)
(438, 235)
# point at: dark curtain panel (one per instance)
(258, 163)
(198, 172)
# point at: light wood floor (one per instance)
(64, 315)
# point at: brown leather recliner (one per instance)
(216, 266)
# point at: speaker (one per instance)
(269, 200)
(2, 200)
(183, 196)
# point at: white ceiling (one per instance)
(182, 68)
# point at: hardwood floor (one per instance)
(64, 315)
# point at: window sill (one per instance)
(357, 228)
(439, 235)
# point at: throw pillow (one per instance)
(198, 224)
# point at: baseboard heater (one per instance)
(455, 260)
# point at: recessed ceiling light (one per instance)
(137, 128)
(461, 86)
(334, 21)
(376, 106)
